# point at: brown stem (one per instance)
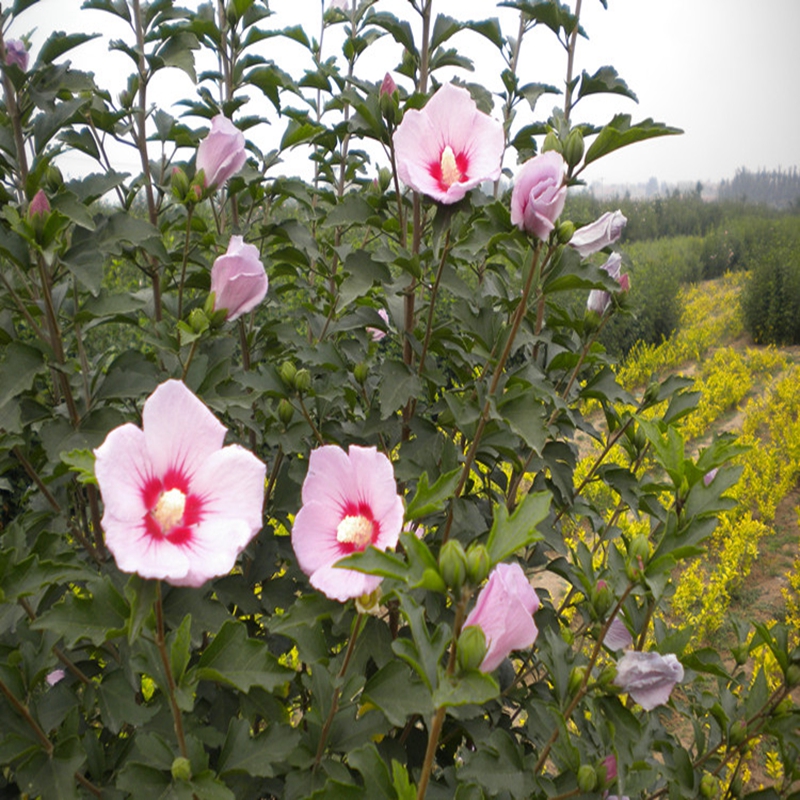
(161, 644)
(326, 728)
(22, 710)
(432, 303)
(519, 315)
(439, 716)
(573, 41)
(584, 683)
(16, 122)
(307, 416)
(140, 140)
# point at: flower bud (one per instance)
(738, 732)
(607, 770)
(360, 373)
(198, 321)
(384, 179)
(17, 53)
(576, 676)
(453, 564)
(587, 778)
(180, 184)
(793, 676)
(302, 380)
(471, 648)
(709, 785)
(53, 179)
(573, 148)
(238, 279)
(285, 411)
(639, 547)
(182, 769)
(478, 563)
(389, 98)
(552, 142)
(287, 373)
(601, 598)
(564, 231)
(39, 207)
(222, 153)
(607, 675)
(369, 603)
(740, 653)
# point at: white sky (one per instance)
(720, 69)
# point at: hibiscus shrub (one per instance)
(320, 531)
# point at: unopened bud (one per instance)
(793, 676)
(54, 180)
(564, 231)
(302, 380)
(709, 786)
(738, 732)
(601, 598)
(285, 411)
(576, 677)
(39, 207)
(453, 564)
(360, 373)
(639, 547)
(182, 769)
(552, 142)
(573, 148)
(180, 184)
(198, 321)
(587, 778)
(478, 563)
(471, 648)
(287, 373)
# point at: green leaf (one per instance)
(605, 80)
(443, 28)
(256, 755)
(509, 534)
(429, 499)
(181, 648)
(373, 768)
(498, 766)
(98, 617)
(53, 776)
(400, 781)
(528, 419)
(119, 705)
(469, 688)
(82, 463)
(398, 384)
(59, 43)
(381, 690)
(620, 133)
(236, 660)
(376, 562)
(21, 364)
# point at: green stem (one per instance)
(432, 303)
(161, 644)
(188, 363)
(189, 213)
(326, 728)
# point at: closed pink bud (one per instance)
(504, 612)
(238, 279)
(221, 154)
(539, 194)
(17, 53)
(388, 87)
(40, 205)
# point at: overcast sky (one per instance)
(722, 70)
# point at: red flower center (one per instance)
(358, 529)
(172, 511)
(451, 168)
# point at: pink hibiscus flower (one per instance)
(350, 502)
(178, 505)
(448, 147)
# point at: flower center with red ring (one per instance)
(356, 530)
(450, 172)
(169, 509)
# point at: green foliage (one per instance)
(474, 386)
